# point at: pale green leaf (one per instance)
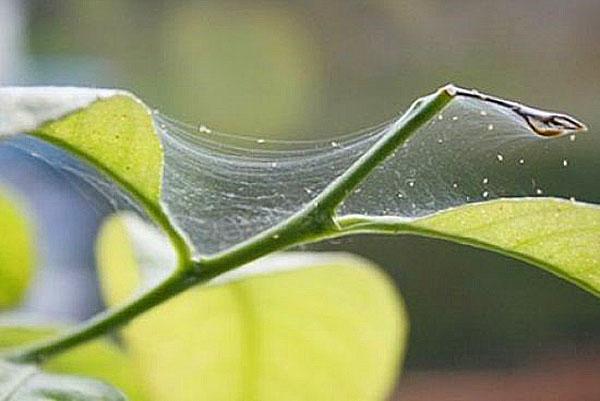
(28, 383)
(16, 252)
(290, 327)
(560, 236)
(97, 359)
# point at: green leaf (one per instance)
(110, 128)
(288, 327)
(97, 359)
(28, 383)
(16, 252)
(560, 236)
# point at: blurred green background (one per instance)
(320, 68)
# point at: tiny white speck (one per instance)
(483, 113)
(499, 157)
(260, 140)
(334, 144)
(440, 117)
(565, 163)
(539, 191)
(454, 185)
(275, 236)
(411, 184)
(400, 195)
(485, 194)
(521, 161)
(572, 199)
(490, 127)
(274, 164)
(572, 137)
(485, 180)
(205, 129)
(440, 140)
(454, 118)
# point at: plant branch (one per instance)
(317, 217)
(316, 220)
(103, 322)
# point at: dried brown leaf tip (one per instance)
(543, 123)
(550, 124)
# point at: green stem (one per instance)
(104, 322)
(318, 217)
(419, 113)
(316, 220)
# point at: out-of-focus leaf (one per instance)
(97, 359)
(16, 252)
(28, 383)
(289, 327)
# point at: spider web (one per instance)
(221, 189)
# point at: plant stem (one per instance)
(104, 322)
(316, 220)
(317, 217)
(419, 113)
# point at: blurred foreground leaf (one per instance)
(16, 252)
(289, 327)
(97, 359)
(28, 383)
